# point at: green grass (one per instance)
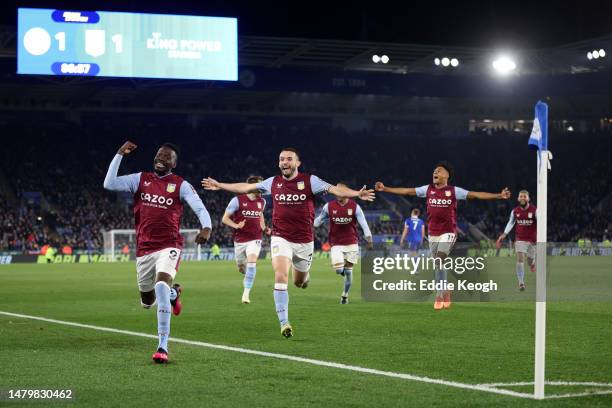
(471, 343)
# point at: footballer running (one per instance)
(292, 243)
(158, 207)
(244, 214)
(524, 217)
(343, 215)
(442, 216)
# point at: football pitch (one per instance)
(94, 342)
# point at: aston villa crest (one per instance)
(300, 185)
(447, 193)
(350, 211)
(530, 215)
(171, 188)
(259, 205)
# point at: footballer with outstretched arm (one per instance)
(442, 216)
(292, 243)
(158, 207)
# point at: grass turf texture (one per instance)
(471, 343)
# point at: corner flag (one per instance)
(539, 140)
(539, 135)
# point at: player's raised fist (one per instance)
(203, 236)
(210, 184)
(505, 193)
(366, 195)
(241, 224)
(127, 148)
(379, 186)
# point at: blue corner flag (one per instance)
(539, 135)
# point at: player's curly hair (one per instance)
(448, 167)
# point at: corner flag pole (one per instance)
(539, 140)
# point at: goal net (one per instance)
(123, 242)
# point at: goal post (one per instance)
(117, 241)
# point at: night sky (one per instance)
(506, 23)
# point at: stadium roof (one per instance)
(404, 58)
(415, 58)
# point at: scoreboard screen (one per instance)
(136, 45)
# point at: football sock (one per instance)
(281, 301)
(173, 294)
(162, 292)
(249, 276)
(520, 272)
(340, 271)
(440, 277)
(348, 280)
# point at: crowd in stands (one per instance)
(64, 163)
(20, 228)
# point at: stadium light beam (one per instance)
(504, 65)
(437, 61)
(589, 55)
(602, 53)
(375, 59)
(384, 59)
(445, 62)
(454, 62)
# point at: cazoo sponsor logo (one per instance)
(251, 213)
(290, 198)
(156, 199)
(440, 201)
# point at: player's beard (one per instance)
(291, 174)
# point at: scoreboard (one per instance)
(135, 45)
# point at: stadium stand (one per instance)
(53, 173)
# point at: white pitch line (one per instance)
(282, 356)
(475, 387)
(561, 383)
(578, 394)
(566, 383)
